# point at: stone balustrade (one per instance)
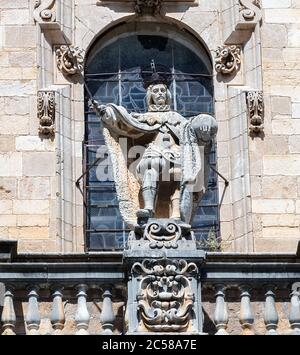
(85, 294)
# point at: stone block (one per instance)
(286, 165)
(7, 143)
(14, 125)
(273, 206)
(10, 73)
(34, 188)
(34, 233)
(11, 164)
(296, 109)
(34, 143)
(293, 35)
(39, 164)
(276, 4)
(17, 88)
(281, 105)
(5, 207)
(22, 59)
(275, 245)
(8, 188)
(20, 37)
(280, 220)
(16, 106)
(30, 207)
(294, 144)
(271, 41)
(33, 220)
(286, 127)
(283, 232)
(15, 4)
(8, 220)
(15, 17)
(279, 187)
(282, 15)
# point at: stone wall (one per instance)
(27, 173)
(275, 159)
(39, 203)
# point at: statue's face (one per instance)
(159, 94)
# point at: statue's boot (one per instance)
(149, 195)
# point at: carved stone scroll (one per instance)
(44, 11)
(250, 10)
(228, 59)
(148, 6)
(69, 59)
(165, 298)
(46, 113)
(255, 105)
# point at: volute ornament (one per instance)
(69, 59)
(228, 59)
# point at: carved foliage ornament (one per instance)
(165, 299)
(228, 59)
(46, 112)
(43, 11)
(255, 104)
(69, 59)
(152, 6)
(250, 9)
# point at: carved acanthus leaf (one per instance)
(255, 105)
(69, 59)
(228, 59)
(46, 113)
(44, 11)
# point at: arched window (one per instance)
(113, 75)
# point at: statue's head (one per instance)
(158, 95)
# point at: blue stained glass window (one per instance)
(113, 76)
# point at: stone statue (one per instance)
(170, 177)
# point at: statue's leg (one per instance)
(175, 203)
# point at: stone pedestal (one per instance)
(164, 289)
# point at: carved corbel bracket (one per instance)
(240, 18)
(44, 11)
(255, 107)
(46, 112)
(69, 59)
(148, 6)
(228, 59)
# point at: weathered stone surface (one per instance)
(11, 164)
(34, 188)
(30, 207)
(5, 206)
(294, 144)
(7, 143)
(279, 187)
(288, 165)
(275, 206)
(32, 220)
(20, 37)
(8, 188)
(281, 105)
(268, 38)
(38, 164)
(34, 143)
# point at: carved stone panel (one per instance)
(255, 105)
(69, 59)
(165, 299)
(228, 59)
(46, 113)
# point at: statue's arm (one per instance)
(104, 112)
(205, 127)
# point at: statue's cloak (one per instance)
(119, 123)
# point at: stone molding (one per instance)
(69, 59)
(46, 112)
(255, 107)
(228, 59)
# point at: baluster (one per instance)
(33, 318)
(58, 311)
(8, 317)
(82, 316)
(221, 312)
(271, 315)
(246, 315)
(295, 313)
(107, 317)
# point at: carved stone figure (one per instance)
(171, 175)
(152, 6)
(46, 113)
(255, 104)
